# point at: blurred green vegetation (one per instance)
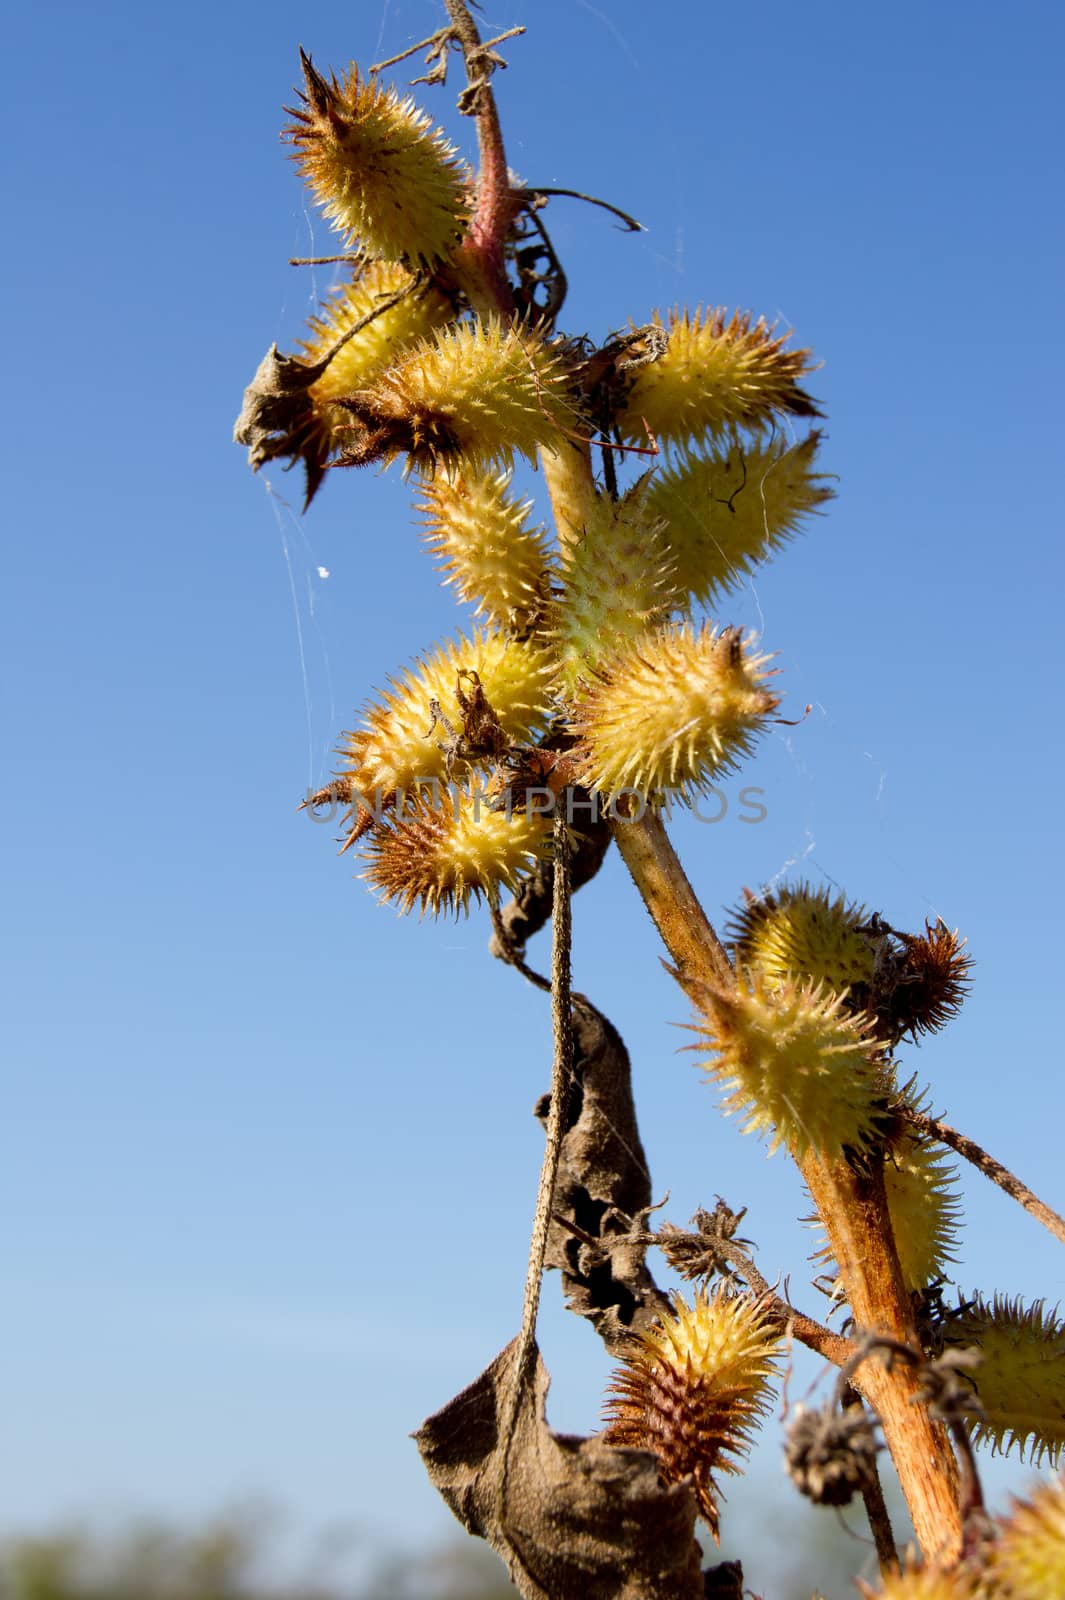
(235, 1556)
(248, 1554)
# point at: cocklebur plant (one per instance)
(600, 685)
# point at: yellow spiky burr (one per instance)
(673, 711)
(802, 932)
(1028, 1561)
(308, 425)
(437, 858)
(472, 396)
(925, 1583)
(717, 372)
(387, 180)
(393, 748)
(290, 408)
(1020, 1381)
(617, 582)
(494, 557)
(925, 1208)
(794, 1064)
(728, 510)
(419, 312)
(693, 1389)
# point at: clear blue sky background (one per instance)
(266, 1183)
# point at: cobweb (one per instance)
(306, 574)
(304, 594)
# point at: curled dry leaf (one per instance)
(277, 417)
(602, 1188)
(573, 1518)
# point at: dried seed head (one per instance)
(472, 396)
(716, 372)
(617, 584)
(672, 712)
(712, 1247)
(727, 511)
(799, 1068)
(1020, 1381)
(693, 1389)
(831, 1455)
(384, 177)
(496, 561)
(1028, 1562)
(804, 933)
(436, 858)
(928, 983)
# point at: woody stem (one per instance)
(852, 1207)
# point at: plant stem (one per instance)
(935, 1128)
(853, 1212)
(482, 254)
(571, 485)
(852, 1207)
(835, 1347)
(699, 957)
(876, 1510)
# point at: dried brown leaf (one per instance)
(278, 417)
(603, 1191)
(573, 1518)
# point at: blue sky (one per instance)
(254, 1141)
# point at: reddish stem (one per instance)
(482, 255)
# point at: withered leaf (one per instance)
(602, 1188)
(573, 1518)
(278, 417)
